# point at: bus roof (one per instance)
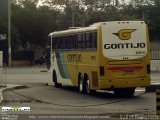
(90, 28)
(74, 30)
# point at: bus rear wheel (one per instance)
(54, 78)
(80, 84)
(86, 85)
(124, 92)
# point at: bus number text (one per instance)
(74, 58)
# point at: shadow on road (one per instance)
(102, 94)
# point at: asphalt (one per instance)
(8, 87)
(3, 88)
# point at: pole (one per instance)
(1, 68)
(143, 16)
(158, 101)
(72, 14)
(9, 33)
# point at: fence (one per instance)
(155, 66)
(155, 60)
(22, 58)
(1, 68)
(2, 71)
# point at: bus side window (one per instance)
(54, 43)
(87, 40)
(76, 39)
(70, 42)
(59, 43)
(79, 41)
(90, 40)
(73, 41)
(94, 40)
(67, 42)
(62, 45)
(64, 41)
(83, 41)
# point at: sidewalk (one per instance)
(8, 87)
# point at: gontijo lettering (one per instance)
(124, 45)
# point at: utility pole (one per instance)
(143, 16)
(9, 33)
(72, 14)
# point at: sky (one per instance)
(39, 2)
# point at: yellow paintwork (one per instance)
(89, 60)
(86, 65)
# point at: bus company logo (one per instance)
(15, 109)
(124, 34)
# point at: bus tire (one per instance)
(54, 78)
(124, 92)
(86, 85)
(81, 85)
(130, 92)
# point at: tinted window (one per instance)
(85, 40)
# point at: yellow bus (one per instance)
(104, 56)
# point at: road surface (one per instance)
(48, 100)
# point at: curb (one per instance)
(8, 87)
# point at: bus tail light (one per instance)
(148, 69)
(101, 71)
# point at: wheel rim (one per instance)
(87, 86)
(80, 85)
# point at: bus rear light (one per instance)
(148, 69)
(101, 71)
(126, 68)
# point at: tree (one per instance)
(32, 24)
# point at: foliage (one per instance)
(32, 23)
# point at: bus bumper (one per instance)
(124, 83)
